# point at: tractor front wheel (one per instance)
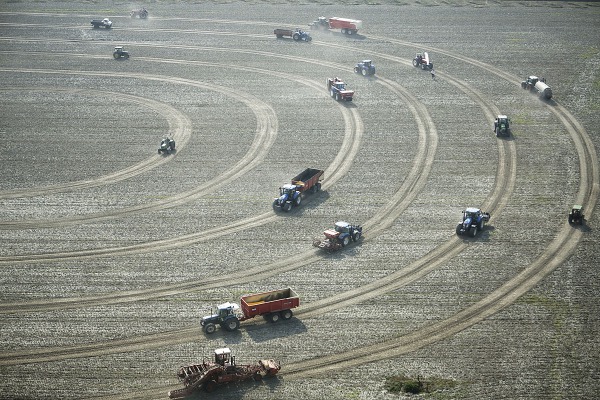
(473, 231)
(346, 241)
(287, 207)
(356, 236)
(364, 72)
(337, 97)
(257, 376)
(210, 328)
(298, 200)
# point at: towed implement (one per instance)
(209, 375)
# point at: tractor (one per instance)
(472, 221)
(167, 145)
(289, 196)
(421, 60)
(120, 53)
(340, 236)
(226, 316)
(576, 215)
(365, 67)
(502, 126)
(141, 13)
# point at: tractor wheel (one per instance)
(318, 186)
(210, 386)
(364, 72)
(210, 328)
(126, 56)
(286, 314)
(356, 236)
(337, 97)
(298, 200)
(257, 376)
(296, 37)
(116, 56)
(473, 231)
(287, 207)
(275, 204)
(346, 241)
(356, 70)
(231, 324)
(459, 229)
(480, 225)
(274, 317)
(159, 151)
(332, 93)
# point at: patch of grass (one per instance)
(418, 385)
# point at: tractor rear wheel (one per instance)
(126, 56)
(332, 93)
(210, 386)
(231, 324)
(356, 237)
(287, 207)
(473, 231)
(296, 37)
(458, 229)
(286, 314)
(116, 56)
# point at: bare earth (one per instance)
(110, 253)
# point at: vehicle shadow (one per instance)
(483, 236)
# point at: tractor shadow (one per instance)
(241, 389)
(583, 227)
(356, 36)
(309, 202)
(483, 236)
(259, 331)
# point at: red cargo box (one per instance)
(269, 302)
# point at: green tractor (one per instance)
(576, 215)
(502, 126)
(120, 53)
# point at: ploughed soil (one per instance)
(111, 253)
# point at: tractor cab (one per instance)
(342, 227)
(288, 189)
(224, 358)
(339, 84)
(532, 79)
(471, 213)
(226, 309)
(119, 49)
(367, 63)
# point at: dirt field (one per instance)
(111, 253)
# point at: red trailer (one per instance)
(345, 25)
(273, 305)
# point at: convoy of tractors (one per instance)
(278, 304)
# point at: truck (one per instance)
(422, 61)
(337, 89)
(538, 85)
(101, 23)
(340, 236)
(296, 34)
(473, 220)
(345, 25)
(273, 306)
(208, 375)
(290, 194)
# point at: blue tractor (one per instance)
(473, 221)
(289, 196)
(365, 67)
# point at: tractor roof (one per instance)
(342, 224)
(533, 77)
(366, 61)
(472, 210)
(289, 186)
(224, 350)
(577, 207)
(502, 117)
(227, 305)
